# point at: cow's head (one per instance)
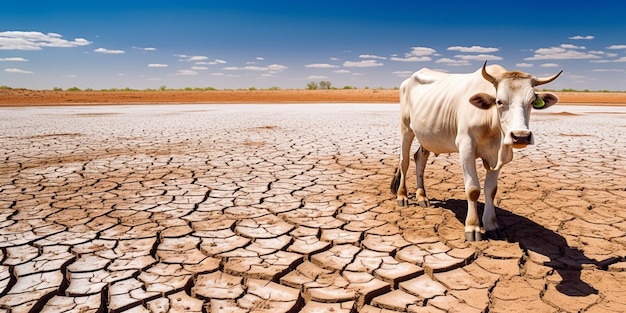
(515, 96)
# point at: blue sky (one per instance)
(241, 44)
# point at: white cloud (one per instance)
(570, 46)
(549, 65)
(551, 50)
(20, 40)
(199, 68)
(145, 49)
(480, 57)
(14, 59)
(271, 67)
(607, 70)
(321, 65)
(217, 74)
(524, 65)
(411, 59)
(215, 62)
(186, 72)
(616, 47)
(402, 73)
(417, 54)
(421, 51)
(107, 51)
(260, 58)
(317, 77)
(17, 71)
(473, 49)
(341, 71)
(365, 63)
(276, 67)
(371, 56)
(563, 52)
(196, 58)
(452, 62)
(157, 65)
(578, 37)
(622, 59)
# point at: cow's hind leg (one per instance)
(421, 157)
(398, 184)
(490, 223)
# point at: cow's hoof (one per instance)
(423, 203)
(473, 236)
(403, 202)
(496, 234)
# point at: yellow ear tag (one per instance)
(538, 104)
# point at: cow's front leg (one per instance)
(472, 192)
(490, 222)
(421, 157)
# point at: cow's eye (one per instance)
(499, 102)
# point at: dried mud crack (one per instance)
(169, 209)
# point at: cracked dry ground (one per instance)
(211, 208)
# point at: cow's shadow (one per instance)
(567, 261)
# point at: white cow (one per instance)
(483, 115)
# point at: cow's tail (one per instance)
(395, 182)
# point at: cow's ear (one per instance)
(483, 101)
(548, 100)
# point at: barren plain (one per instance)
(285, 207)
(17, 97)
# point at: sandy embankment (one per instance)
(25, 97)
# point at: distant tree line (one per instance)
(325, 85)
(322, 85)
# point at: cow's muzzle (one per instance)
(521, 138)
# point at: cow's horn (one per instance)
(541, 81)
(486, 75)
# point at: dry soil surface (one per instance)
(286, 208)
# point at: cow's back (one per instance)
(435, 105)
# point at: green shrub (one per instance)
(325, 85)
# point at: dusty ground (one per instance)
(17, 97)
(274, 208)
